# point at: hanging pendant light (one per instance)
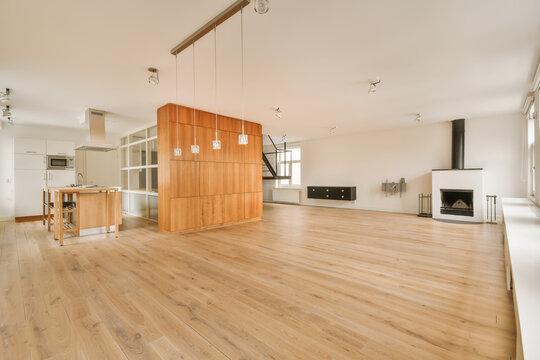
(216, 144)
(262, 6)
(194, 147)
(242, 138)
(177, 149)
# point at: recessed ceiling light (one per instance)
(10, 121)
(418, 118)
(373, 86)
(153, 79)
(333, 130)
(262, 6)
(4, 95)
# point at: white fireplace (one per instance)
(457, 195)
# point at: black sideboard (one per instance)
(347, 193)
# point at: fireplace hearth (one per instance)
(457, 202)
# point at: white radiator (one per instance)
(286, 195)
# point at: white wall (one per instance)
(498, 144)
(7, 191)
(7, 135)
(366, 160)
(537, 146)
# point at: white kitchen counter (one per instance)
(522, 224)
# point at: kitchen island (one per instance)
(90, 208)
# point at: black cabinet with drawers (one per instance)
(332, 192)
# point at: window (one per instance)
(290, 165)
(531, 145)
(138, 168)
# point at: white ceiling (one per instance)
(443, 59)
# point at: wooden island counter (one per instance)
(83, 208)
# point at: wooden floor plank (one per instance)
(305, 282)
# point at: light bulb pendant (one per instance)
(195, 149)
(216, 144)
(177, 152)
(262, 6)
(243, 139)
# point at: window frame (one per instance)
(286, 183)
(147, 192)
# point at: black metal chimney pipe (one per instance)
(458, 144)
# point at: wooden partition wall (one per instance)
(211, 188)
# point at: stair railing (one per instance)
(277, 172)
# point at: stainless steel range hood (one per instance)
(96, 132)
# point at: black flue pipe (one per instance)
(458, 144)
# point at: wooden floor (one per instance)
(304, 283)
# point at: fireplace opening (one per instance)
(457, 202)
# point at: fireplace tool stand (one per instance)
(424, 205)
(491, 209)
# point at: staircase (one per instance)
(272, 161)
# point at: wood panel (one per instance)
(233, 178)
(211, 208)
(253, 175)
(229, 124)
(252, 128)
(253, 150)
(185, 214)
(211, 178)
(205, 136)
(164, 176)
(253, 205)
(92, 210)
(234, 208)
(184, 178)
(232, 150)
(206, 119)
(186, 139)
(185, 114)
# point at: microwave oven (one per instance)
(58, 162)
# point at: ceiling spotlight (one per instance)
(373, 86)
(333, 130)
(10, 121)
(262, 6)
(4, 95)
(277, 111)
(418, 118)
(5, 111)
(154, 76)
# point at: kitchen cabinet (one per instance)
(65, 148)
(60, 178)
(30, 146)
(30, 162)
(28, 192)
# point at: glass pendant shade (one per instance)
(243, 139)
(216, 144)
(153, 79)
(195, 149)
(262, 6)
(177, 152)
